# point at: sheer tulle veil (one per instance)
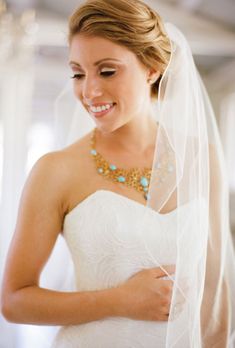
(188, 162)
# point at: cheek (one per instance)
(124, 85)
(132, 94)
(125, 89)
(135, 85)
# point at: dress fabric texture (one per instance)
(111, 237)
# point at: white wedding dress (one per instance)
(110, 238)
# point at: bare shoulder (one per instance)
(44, 188)
(53, 174)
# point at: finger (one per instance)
(163, 271)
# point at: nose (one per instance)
(91, 88)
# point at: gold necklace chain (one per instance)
(136, 178)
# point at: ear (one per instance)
(153, 75)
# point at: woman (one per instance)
(140, 199)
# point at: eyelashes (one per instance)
(103, 73)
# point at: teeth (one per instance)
(101, 108)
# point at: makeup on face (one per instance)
(109, 81)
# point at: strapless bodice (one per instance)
(110, 238)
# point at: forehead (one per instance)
(87, 49)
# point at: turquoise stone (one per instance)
(144, 182)
(112, 167)
(94, 152)
(100, 170)
(145, 189)
(121, 179)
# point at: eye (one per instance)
(104, 72)
(108, 72)
(77, 76)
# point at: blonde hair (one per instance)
(130, 23)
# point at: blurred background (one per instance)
(34, 69)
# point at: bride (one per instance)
(139, 195)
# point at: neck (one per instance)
(137, 136)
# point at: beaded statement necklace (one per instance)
(136, 178)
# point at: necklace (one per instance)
(136, 178)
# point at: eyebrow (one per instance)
(96, 63)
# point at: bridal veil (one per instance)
(188, 163)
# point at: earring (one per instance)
(150, 81)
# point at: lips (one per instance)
(103, 112)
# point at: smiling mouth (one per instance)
(101, 110)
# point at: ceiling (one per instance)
(209, 25)
(222, 11)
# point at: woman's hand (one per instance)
(146, 295)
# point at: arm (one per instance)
(39, 223)
(34, 305)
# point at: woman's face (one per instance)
(110, 81)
